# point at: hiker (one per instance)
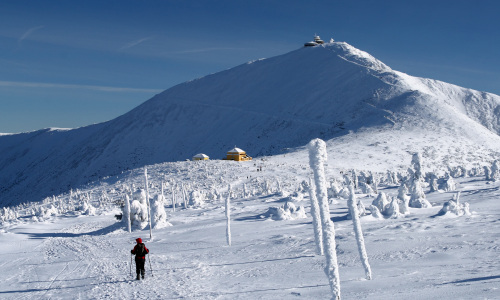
(140, 252)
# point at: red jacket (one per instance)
(134, 251)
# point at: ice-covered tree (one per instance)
(448, 184)
(403, 192)
(417, 198)
(158, 214)
(317, 159)
(375, 212)
(381, 202)
(416, 162)
(358, 232)
(487, 173)
(393, 209)
(433, 182)
(196, 199)
(495, 171)
(334, 190)
(139, 209)
(374, 179)
(365, 188)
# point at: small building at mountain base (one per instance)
(201, 156)
(237, 154)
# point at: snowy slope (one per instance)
(266, 107)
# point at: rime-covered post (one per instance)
(147, 201)
(228, 216)
(353, 209)
(173, 198)
(317, 159)
(315, 216)
(127, 213)
(184, 196)
(162, 194)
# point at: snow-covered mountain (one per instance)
(362, 107)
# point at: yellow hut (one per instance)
(237, 154)
(200, 156)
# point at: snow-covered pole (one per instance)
(315, 216)
(173, 198)
(127, 211)
(184, 196)
(162, 194)
(228, 216)
(317, 159)
(147, 201)
(353, 209)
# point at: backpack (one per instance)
(140, 250)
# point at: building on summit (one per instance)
(201, 156)
(237, 154)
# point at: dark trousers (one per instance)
(139, 266)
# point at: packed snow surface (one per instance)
(423, 255)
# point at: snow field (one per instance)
(420, 256)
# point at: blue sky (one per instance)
(75, 63)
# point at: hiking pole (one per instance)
(150, 266)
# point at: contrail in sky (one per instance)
(135, 43)
(29, 32)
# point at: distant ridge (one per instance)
(266, 107)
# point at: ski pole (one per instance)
(130, 264)
(150, 266)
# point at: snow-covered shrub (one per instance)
(455, 172)
(288, 211)
(391, 178)
(495, 171)
(417, 198)
(403, 192)
(140, 195)
(404, 205)
(158, 214)
(196, 199)
(487, 173)
(361, 208)
(375, 212)
(381, 202)
(333, 190)
(433, 182)
(366, 188)
(138, 214)
(88, 209)
(296, 196)
(416, 163)
(453, 206)
(448, 183)
(344, 193)
(392, 210)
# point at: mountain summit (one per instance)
(266, 107)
